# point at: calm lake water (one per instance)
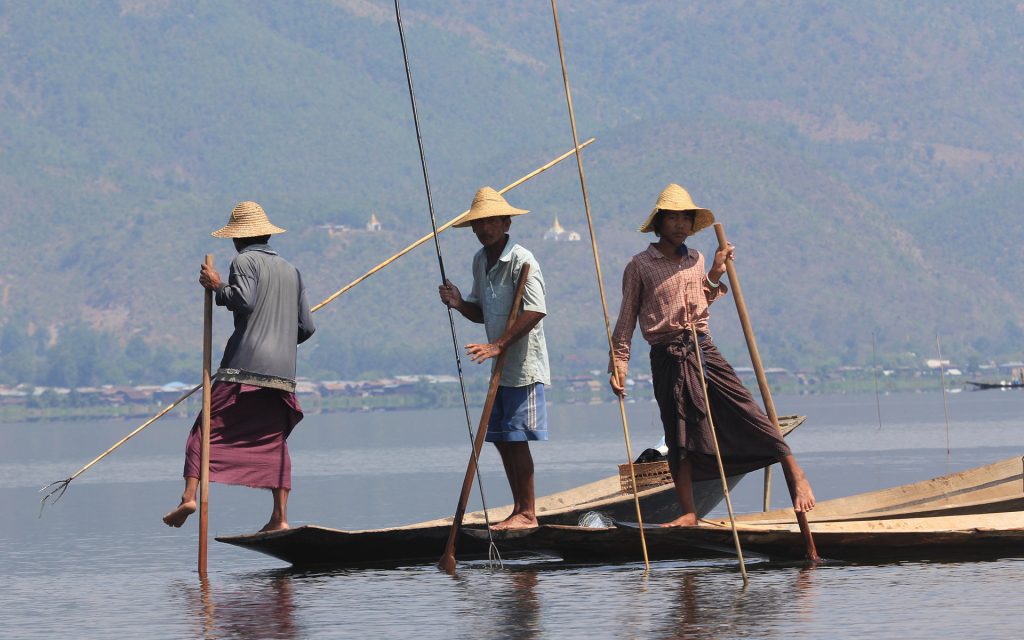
(101, 564)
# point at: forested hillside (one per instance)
(865, 157)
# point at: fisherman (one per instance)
(253, 407)
(665, 287)
(519, 414)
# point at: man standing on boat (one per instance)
(519, 414)
(666, 288)
(253, 407)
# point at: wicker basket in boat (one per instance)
(648, 475)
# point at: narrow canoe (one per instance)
(311, 545)
(972, 514)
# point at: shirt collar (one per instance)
(507, 251)
(264, 248)
(654, 253)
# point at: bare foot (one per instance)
(516, 521)
(804, 500)
(178, 517)
(685, 520)
(274, 525)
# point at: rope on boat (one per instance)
(718, 454)
(600, 280)
(62, 485)
(492, 549)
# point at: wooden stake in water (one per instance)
(204, 459)
(874, 375)
(942, 381)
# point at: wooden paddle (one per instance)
(447, 561)
(204, 458)
(762, 383)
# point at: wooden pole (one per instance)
(762, 382)
(942, 381)
(447, 561)
(718, 454)
(600, 286)
(204, 459)
(427, 237)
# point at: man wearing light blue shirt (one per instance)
(519, 414)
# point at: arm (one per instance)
(714, 288)
(452, 297)
(622, 336)
(306, 325)
(239, 293)
(523, 325)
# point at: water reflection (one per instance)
(261, 606)
(715, 604)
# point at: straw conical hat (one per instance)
(247, 220)
(488, 203)
(675, 198)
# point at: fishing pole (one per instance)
(492, 549)
(600, 280)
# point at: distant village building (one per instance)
(558, 234)
(334, 230)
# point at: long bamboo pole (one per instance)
(427, 237)
(718, 454)
(447, 561)
(60, 486)
(762, 382)
(204, 452)
(600, 286)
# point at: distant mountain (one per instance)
(865, 157)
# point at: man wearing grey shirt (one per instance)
(253, 407)
(519, 414)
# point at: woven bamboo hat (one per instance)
(675, 198)
(248, 220)
(488, 203)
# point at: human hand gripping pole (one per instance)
(447, 561)
(762, 383)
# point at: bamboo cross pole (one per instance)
(427, 237)
(762, 382)
(204, 456)
(447, 561)
(718, 455)
(60, 486)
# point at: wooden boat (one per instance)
(1013, 384)
(424, 541)
(974, 513)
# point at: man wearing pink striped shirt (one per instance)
(666, 289)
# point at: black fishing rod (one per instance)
(493, 550)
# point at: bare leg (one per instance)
(186, 507)
(279, 517)
(799, 487)
(683, 477)
(510, 473)
(519, 469)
